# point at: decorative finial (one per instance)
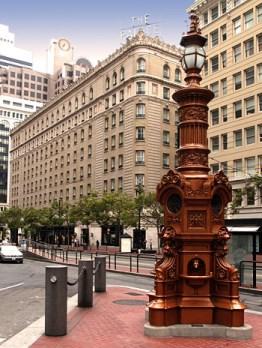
(194, 25)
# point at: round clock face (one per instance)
(216, 204)
(174, 203)
(64, 44)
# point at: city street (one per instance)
(22, 293)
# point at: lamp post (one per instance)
(139, 191)
(194, 283)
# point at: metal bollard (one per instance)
(100, 275)
(85, 285)
(56, 301)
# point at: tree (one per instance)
(251, 183)
(116, 208)
(152, 213)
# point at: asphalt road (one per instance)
(22, 293)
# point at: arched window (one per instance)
(122, 74)
(91, 93)
(141, 65)
(57, 115)
(83, 98)
(178, 75)
(107, 83)
(76, 103)
(166, 71)
(114, 78)
(63, 111)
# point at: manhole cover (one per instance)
(131, 302)
(133, 294)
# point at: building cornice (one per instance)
(139, 40)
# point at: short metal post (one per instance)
(85, 285)
(137, 263)
(115, 260)
(100, 276)
(56, 301)
(130, 268)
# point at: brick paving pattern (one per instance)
(111, 325)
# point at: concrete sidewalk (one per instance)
(117, 321)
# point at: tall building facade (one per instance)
(24, 90)
(111, 130)
(233, 71)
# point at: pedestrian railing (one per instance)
(250, 273)
(56, 292)
(128, 262)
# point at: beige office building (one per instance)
(111, 130)
(234, 72)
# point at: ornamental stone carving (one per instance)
(194, 113)
(193, 158)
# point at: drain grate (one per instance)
(133, 294)
(131, 302)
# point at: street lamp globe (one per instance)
(193, 58)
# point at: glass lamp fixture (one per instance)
(193, 58)
(194, 54)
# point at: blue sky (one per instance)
(93, 27)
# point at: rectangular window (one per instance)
(113, 141)
(250, 166)
(139, 179)
(120, 161)
(259, 72)
(238, 137)
(140, 133)
(224, 141)
(250, 76)
(113, 163)
(238, 168)
(214, 13)
(238, 109)
(250, 135)
(140, 157)
(259, 43)
(237, 81)
(248, 19)
(260, 102)
(114, 99)
(223, 6)
(214, 38)
(224, 86)
(214, 88)
(251, 196)
(223, 32)
(214, 64)
(249, 47)
(166, 115)
(260, 133)
(112, 184)
(140, 110)
(224, 113)
(250, 105)
(205, 18)
(237, 26)
(140, 87)
(166, 138)
(121, 139)
(215, 143)
(166, 160)
(166, 93)
(214, 117)
(224, 167)
(259, 13)
(121, 117)
(214, 168)
(224, 59)
(237, 53)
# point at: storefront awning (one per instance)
(245, 229)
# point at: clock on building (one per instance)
(64, 44)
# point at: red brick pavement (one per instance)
(110, 325)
